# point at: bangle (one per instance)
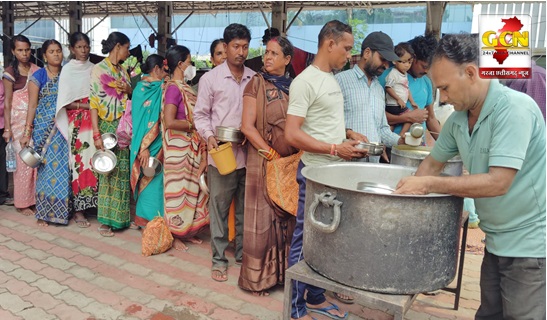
(7, 130)
(27, 132)
(332, 149)
(96, 136)
(272, 154)
(29, 125)
(78, 105)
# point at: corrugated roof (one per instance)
(35, 9)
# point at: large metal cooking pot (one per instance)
(377, 241)
(412, 157)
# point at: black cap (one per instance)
(270, 33)
(381, 42)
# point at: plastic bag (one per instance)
(156, 237)
(125, 128)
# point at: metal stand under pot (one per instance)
(341, 179)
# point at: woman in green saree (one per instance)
(146, 141)
(109, 90)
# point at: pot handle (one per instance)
(328, 200)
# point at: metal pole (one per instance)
(183, 21)
(294, 18)
(96, 24)
(30, 25)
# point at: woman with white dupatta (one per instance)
(74, 122)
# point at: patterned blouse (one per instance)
(109, 101)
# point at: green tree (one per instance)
(254, 52)
(359, 28)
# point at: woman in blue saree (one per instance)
(53, 177)
(146, 141)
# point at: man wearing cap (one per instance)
(364, 96)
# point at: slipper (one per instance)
(220, 274)
(325, 311)
(134, 226)
(105, 232)
(343, 300)
(82, 223)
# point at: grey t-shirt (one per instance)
(316, 96)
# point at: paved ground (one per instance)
(74, 273)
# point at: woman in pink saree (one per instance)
(15, 79)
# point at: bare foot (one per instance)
(344, 298)
(42, 223)
(196, 240)
(263, 293)
(26, 211)
(179, 245)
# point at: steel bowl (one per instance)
(30, 157)
(110, 140)
(154, 167)
(373, 148)
(203, 183)
(228, 134)
(104, 162)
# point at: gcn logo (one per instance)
(505, 53)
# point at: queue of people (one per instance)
(321, 114)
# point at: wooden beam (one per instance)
(165, 11)
(279, 16)
(8, 9)
(75, 16)
(435, 12)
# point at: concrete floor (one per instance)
(73, 273)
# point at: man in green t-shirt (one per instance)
(500, 136)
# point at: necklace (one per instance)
(53, 75)
(316, 67)
(237, 78)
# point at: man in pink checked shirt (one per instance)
(220, 103)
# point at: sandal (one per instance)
(82, 223)
(134, 226)
(219, 275)
(105, 231)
